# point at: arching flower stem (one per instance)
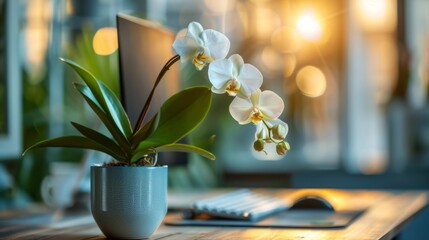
(161, 74)
(270, 133)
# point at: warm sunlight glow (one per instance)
(373, 8)
(267, 21)
(289, 65)
(37, 39)
(105, 41)
(271, 59)
(311, 81)
(309, 27)
(286, 39)
(39, 14)
(376, 15)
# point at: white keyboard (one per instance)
(242, 204)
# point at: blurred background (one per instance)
(354, 76)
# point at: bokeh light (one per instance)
(289, 65)
(309, 27)
(376, 15)
(105, 41)
(37, 33)
(311, 81)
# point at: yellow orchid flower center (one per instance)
(256, 116)
(233, 87)
(200, 60)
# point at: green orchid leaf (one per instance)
(117, 111)
(143, 132)
(108, 122)
(98, 137)
(75, 142)
(178, 147)
(178, 116)
(104, 97)
(90, 81)
(85, 91)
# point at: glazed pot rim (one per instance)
(147, 167)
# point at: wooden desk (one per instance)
(386, 215)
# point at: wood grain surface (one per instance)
(387, 213)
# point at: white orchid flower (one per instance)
(202, 46)
(235, 77)
(264, 105)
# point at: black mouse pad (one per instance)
(285, 219)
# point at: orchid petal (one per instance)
(186, 47)
(270, 104)
(182, 33)
(220, 90)
(240, 109)
(251, 79)
(206, 51)
(237, 62)
(220, 72)
(217, 43)
(254, 98)
(194, 30)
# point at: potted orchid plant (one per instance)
(136, 195)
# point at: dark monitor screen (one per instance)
(144, 48)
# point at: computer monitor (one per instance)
(144, 48)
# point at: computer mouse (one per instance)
(312, 203)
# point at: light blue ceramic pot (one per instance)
(128, 202)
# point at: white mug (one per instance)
(58, 187)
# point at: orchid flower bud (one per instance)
(282, 148)
(258, 145)
(263, 134)
(279, 132)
